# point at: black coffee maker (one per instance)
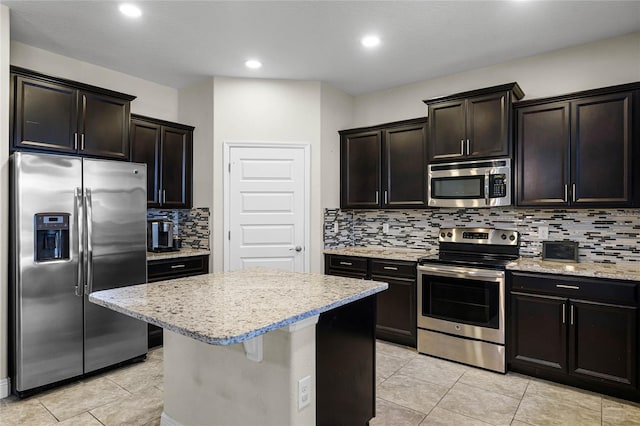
(160, 235)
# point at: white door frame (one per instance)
(307, 191)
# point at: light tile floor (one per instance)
(412, 389)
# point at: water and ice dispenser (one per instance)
(51, 236)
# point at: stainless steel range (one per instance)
(461, 296)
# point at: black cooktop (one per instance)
(489, 261)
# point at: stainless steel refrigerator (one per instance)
(78, 226)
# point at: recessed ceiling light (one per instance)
(370, 41)
(130, 10)
(253, 64)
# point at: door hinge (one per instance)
(229, 235)
(229, 167)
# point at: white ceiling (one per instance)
(178, 43)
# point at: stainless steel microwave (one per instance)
(482, 183)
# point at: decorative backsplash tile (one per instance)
(606, 236)
(193, 225)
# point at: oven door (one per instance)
(462, 301)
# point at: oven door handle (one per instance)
(458, 272)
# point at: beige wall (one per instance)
(253, 110)
(336, 113)
(604, 63)
(195, 107)
(4, 196)
(154, 100)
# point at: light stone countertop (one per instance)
(619, 271)
(391, 253)
(183, 252)
(231, 307)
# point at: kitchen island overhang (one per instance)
(239, 345)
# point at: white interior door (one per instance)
(267, 207)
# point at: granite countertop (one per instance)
(183, 252)
(231, 307)
(392, 253)
(618, 271)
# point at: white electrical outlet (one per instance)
(304, 392)
(543, 232)
(335, 227)
(385, 228)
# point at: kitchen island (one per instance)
(252, 346)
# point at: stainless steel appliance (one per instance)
(483, 183)
(78, 225)
(160, 235)
(461, 296)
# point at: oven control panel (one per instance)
(503, 237)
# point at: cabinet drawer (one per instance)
(394, 268)
(576, 287)
(169, 268)
(350, 263)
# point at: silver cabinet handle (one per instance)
(461, 146)
(564, 308)
(571, 314)
(573, 192)
(377, 197)
(164, 196)
(159, 195)
(385, 197)
(75, 140)
(82, 142)
(346, 263)
(468, 148)
(566, 193)
(177, 266)
(571, 287)
(88, 288)
(80, 236)
(391, 268)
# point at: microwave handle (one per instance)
(486, 189)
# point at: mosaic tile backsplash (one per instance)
(193, 225)
(605, 236)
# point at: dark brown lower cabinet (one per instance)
(578, 331)
(345, 364)
(396, 308)
(167, 269)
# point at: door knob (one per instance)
(298, 248)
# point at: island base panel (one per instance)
(211, 384)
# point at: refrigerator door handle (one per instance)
(88, 288)
(80, 235)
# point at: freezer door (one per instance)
(46, 313)
(116, 212)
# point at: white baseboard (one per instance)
(166, 420)
(5, 387)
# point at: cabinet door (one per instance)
(396, 312)
(601, 150)
(45, 116)
(538, 332)
(488, 125)
(104, 126)
(543, 155)
(405, 167)
(447, 132)
(145, 148)
(360, 170)
(176, 167)
(602, 343)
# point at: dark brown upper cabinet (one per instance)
(167, 149)
(55, 115)
(384, 166)
(576, 150)
(470, 125)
